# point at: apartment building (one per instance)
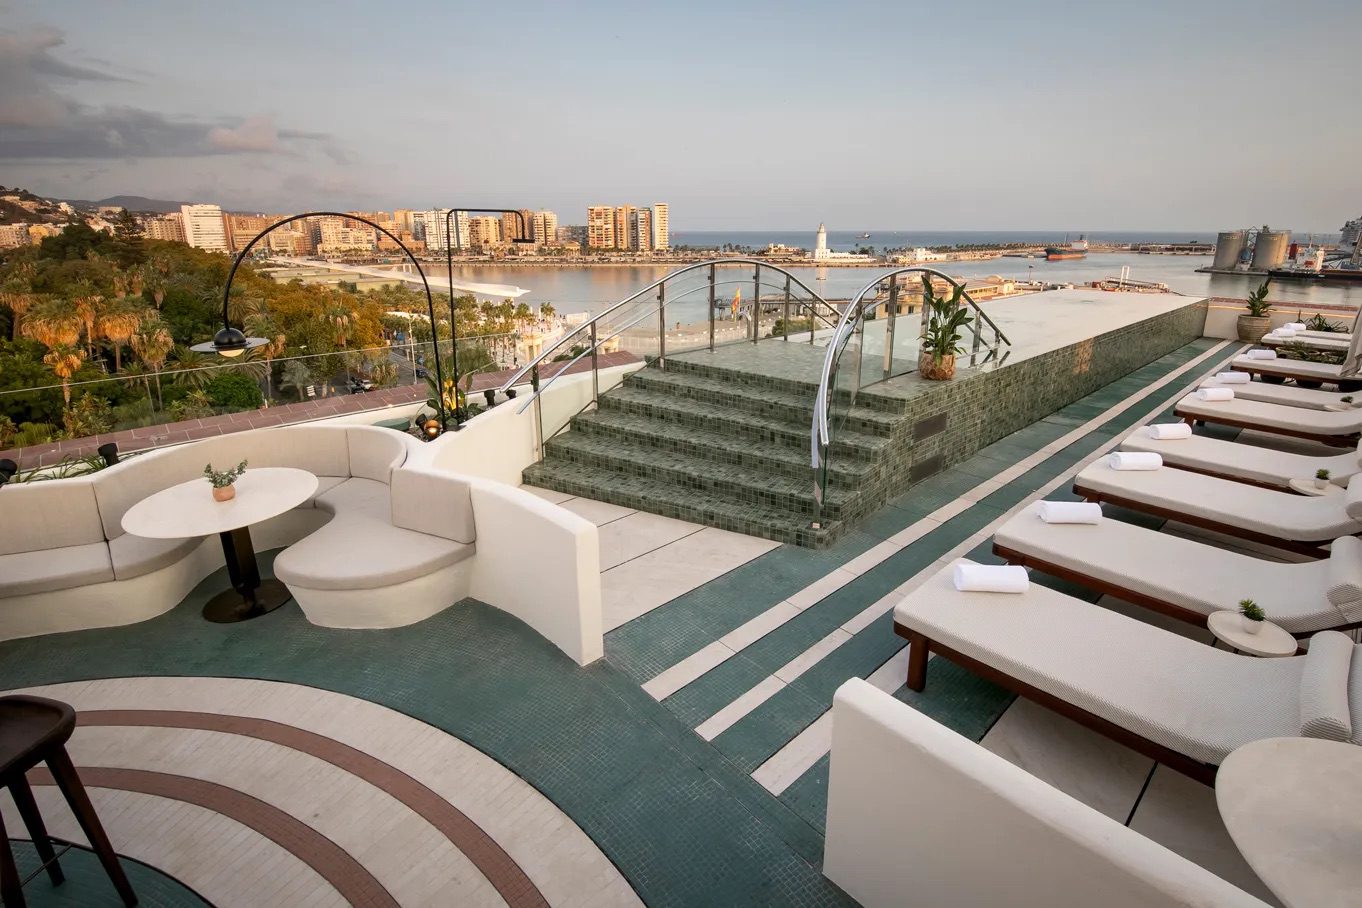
(662, 240)
(600, 227)
(641, 230)
(168, 227)
(205, 228)
(544, 226)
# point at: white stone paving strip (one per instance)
(806, 748)
(692, 667)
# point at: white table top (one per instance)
(189, 508)
(1270, 640)
(1294, 808)
(1308, 487)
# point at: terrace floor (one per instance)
(276, 762)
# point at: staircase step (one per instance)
(660, 497)
(698, 366)
(718, 446)
(732, 482)
(661, 405)
(778, 403)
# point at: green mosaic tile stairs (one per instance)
(733, 482)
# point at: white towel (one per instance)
(1262, 354)
(1294, 326)
(1134, 460)
(1169, 431)
(990, 578)
(1233, 378)
(1284, 332)
(1070, 512)
(1215, 394)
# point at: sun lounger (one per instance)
(1244, 462)
(1186, 579)
(1297, 523)
(1300, 370)
(1286, 395)
(1174, 699)
(1327, 426)
(1330, 342)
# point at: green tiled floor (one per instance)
(87, 886)
(683, 825)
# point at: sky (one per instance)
(895, 115)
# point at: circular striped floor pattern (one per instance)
(257, 792)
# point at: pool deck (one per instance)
(465, 758)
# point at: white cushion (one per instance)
(324, 485)
(357, 496)
(49, 514)
(1345, 577)
(1324, 687)
(356, 551)
(375, 452)
(433, 502)
(134, 556)
(1352, 501)
(54, 569)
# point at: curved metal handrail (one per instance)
(546, 355)
(851, 317)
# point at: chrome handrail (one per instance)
(533, 365)
(852, 316)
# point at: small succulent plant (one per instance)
(221, 479)
(1251, 610)
(1321, 474)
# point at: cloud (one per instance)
(253, 134)
(39, 123)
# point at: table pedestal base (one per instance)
(228, 607)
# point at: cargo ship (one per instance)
(1075, 250)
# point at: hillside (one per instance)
(134, 203)
(19, 206)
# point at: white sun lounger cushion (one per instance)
(1345, 577)
(1325, 712)
(1173, 690)
(1352, 499)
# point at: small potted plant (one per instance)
(1251, 615)
(224, 481)
(943, 319)
(1255, 323)
(1347, 399)
(1321, 479)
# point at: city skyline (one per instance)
(1157, 117)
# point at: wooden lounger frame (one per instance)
(1312, 548)
(1125, 594)
(920, 647)
(1338, 441)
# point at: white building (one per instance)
(662, 240)
(641, 229)
(436, 230)
(204, 227)
(820, 247)
(544, 228)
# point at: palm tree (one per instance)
(16, 295)
(52, 323)
(547, 311)
(154, 279)
(188, 367)
(65, 361)
(85, 300)
(118, 322)
(152, 343)
(296, 377)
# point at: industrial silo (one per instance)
(1229, 246)
(1270, 250)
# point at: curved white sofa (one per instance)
(387, 540)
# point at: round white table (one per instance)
(1308, 487)
(1270, 640)
(189, 509)
(1294, 809)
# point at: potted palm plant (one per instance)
(1251, 615)
(944, 319)
(1256, 322)
(224, 481)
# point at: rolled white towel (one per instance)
(1233, 378)
(1294, 326)
(1215, 394)
(990, 578)
(1285, 331)
(1169, 431)
(1262, 354)
(1070, 512)
(1134, 460)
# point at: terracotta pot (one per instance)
(933, 369)
(1253, 327)
(226, 493)
(1250, 626)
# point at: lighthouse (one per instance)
(820, 249)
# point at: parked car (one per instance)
(421, 372)
(359, 385)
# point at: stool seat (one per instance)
(29, 728)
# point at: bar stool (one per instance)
(35, 730)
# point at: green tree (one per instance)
(233, 391)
